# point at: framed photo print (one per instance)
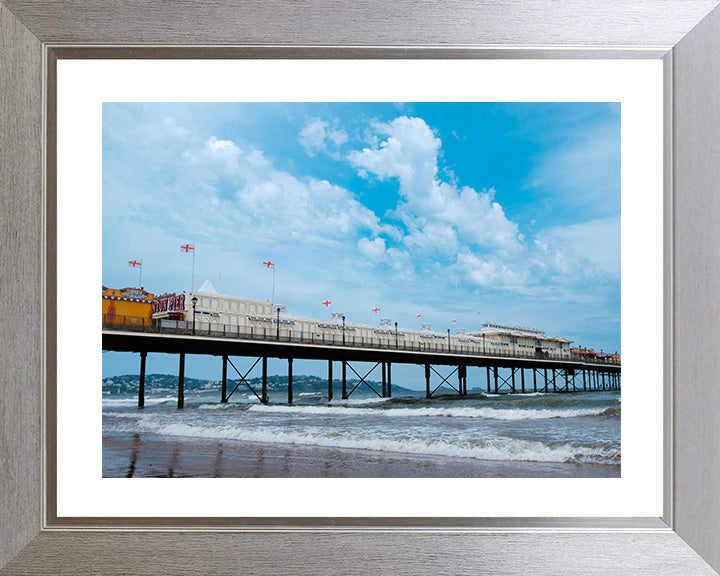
(388, 292)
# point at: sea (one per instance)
(578, 428)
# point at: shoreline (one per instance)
(147, 455)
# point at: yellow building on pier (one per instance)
(127, 306)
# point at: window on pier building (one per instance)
(513, 339)
(538, 343)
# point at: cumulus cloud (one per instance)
(487, 273)
(372, 249)
(315, 135)
(431, 206)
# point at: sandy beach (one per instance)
(143, 455)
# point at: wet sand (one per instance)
(147, 455)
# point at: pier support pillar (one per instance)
(495, 370)
(141, 386)
(460, 380)
(330, 388)
(389, 385)
(512, 374)
(290, 391)
(223, 391)
(567, 381)
(384, 381)
(427, 380)
(522, 379)
(584, 381)
(487, 373)
(344, 380)
(554, 375)
(546, 380)
(264, 395)
(181, 382)
(534, 379)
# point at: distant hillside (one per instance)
(167, 383)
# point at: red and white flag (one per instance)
(134, 263)
(326, 303)
(268, 264)
(187, 248)
(419, 315)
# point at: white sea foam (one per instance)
(123, 402)
(446, 412)
(498, 449)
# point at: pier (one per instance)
(444, 364)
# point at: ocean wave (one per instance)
(445, 412)
(499, 449)
(124, 402)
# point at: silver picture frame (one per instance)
(685, 34)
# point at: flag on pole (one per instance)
(419, 315)
(268, 264)
(326, 303)
(187, 249)
(376, 310)
(136, 264)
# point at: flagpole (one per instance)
(141, 273)
(192, 283)
(272, 298)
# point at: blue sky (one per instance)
(474, 212)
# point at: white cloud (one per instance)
(486, 273)
(589, 249)
(372, 249)
(583, 172)
(314, 136)
(431, 206)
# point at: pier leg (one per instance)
(290, 391)
(460, 382)
(330, 389)
(427, 380)
(496, 378)
(546, 380)
(181, 381)
(554, 374)
(584, 382)
(223, 391)
(141, 387)
(264, 395)
(567, 382)
(512, 373)
(487, 370)
(522, 379)
(389, 389)
(344, 380)
(534, 379)
(384, 381)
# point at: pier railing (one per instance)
(387, 342)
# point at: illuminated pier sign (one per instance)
(169, 303)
